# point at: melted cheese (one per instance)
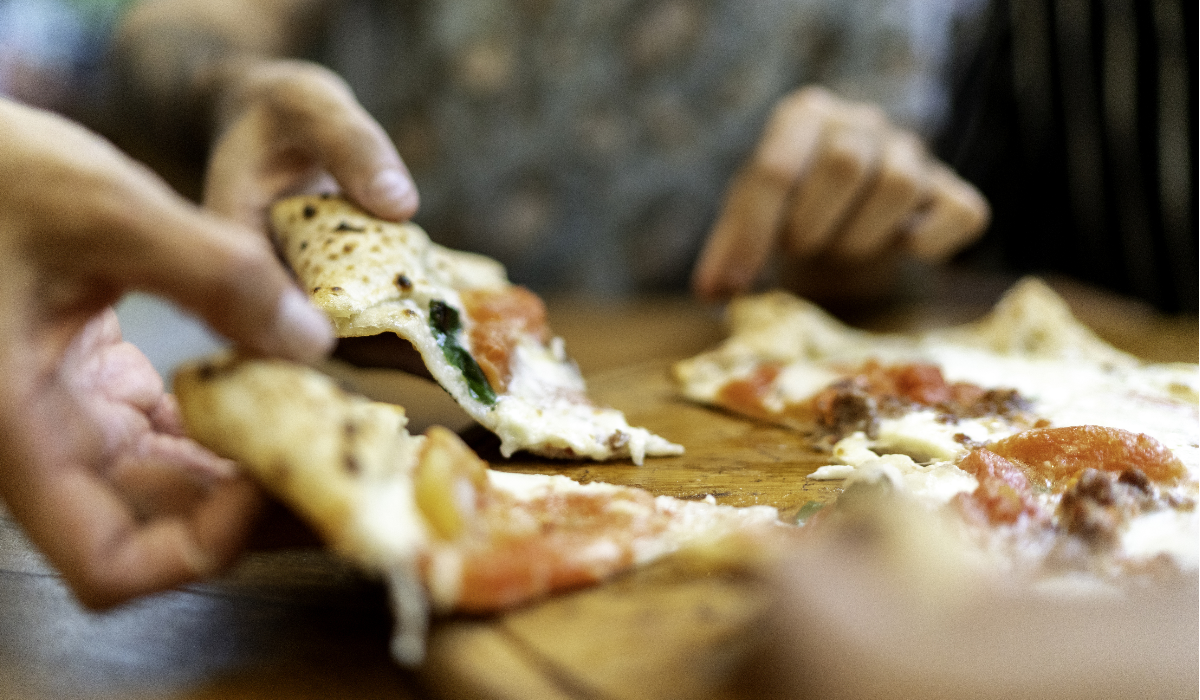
(373, 276)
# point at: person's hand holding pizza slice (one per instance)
(288, 127)
(93, 461)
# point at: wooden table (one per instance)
(298, 624)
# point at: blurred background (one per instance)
(53, 54)
(1076, 118)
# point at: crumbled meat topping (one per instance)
(874, 391)
(846, 408)
(1098, 504)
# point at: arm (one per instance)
(93, 461)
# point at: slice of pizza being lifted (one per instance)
(1037, 432)
(424, 512)
(482, 338)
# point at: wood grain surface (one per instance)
(299, 624)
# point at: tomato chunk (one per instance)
(1004, 492)
(746, 395)
(1057, 455)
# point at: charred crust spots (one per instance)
(303, 245)
(309, 211)
(326, 195)
(403, 282)
(349, 247)
(316, 289)
(349, 429)
(351, 465)
(347, 226)
(208, 371)
(336, 290)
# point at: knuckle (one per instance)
(99, 587)
(771, 164)
(806, 100)
(292, 88)
(842, 162)
(250, 258)
(897, 183)
(771, 173)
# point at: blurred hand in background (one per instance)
(833, 181)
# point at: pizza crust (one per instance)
(373, 276)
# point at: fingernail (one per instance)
(394, 188)
(304, 330)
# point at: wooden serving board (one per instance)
(738, 461)
(673, 630)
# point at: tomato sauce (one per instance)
(746, 395)
(499, 319)
(530, 548)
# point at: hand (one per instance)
(291, 127)
(832, 181)
(93, 462)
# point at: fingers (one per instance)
(846, 159)
(899, 186)
(833, 181)
(90, 223)
(956, 214)
(107, 557)
(227, 275)
(294, 124)
(743, 236)
(745, 232)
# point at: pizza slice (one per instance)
(482, 338)
(1056, 450)
(424, 512)
(934, 395)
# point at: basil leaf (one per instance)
(446, 325)
(808, 510)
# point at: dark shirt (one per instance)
(1077, 119)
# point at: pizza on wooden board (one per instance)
(482, 338)
(423, 511)
(1060, 456)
